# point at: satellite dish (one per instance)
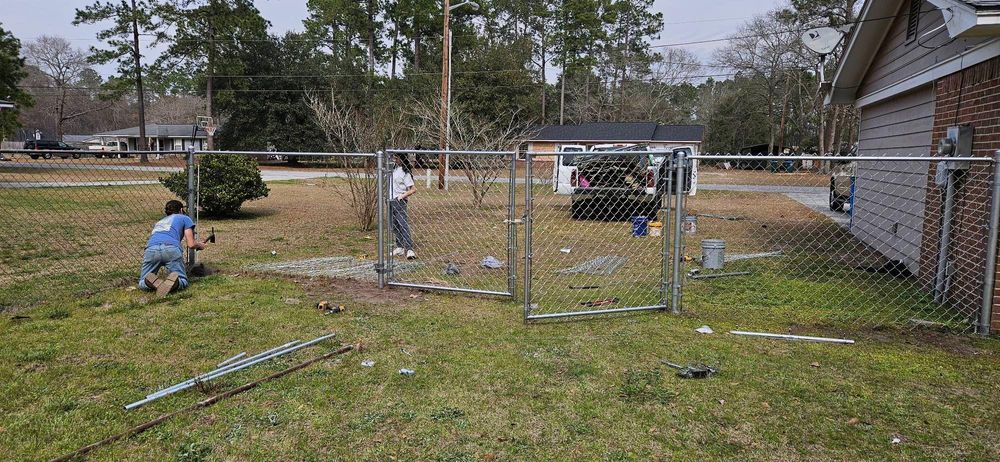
(822, 40)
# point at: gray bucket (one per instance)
(690, 224)
(713, 253)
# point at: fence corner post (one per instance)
(989, 276)
(192, 206)
(679, 180)
(380, 216)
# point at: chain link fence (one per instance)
(76, 223)
(855, 241)
(597, 233)
(457, 231)
(755, 241)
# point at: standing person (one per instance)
(402, 188)
(164, 249)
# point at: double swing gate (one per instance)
(861, 240)
(606, 251)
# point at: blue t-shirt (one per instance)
(170, 230)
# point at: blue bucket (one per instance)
(640, 226)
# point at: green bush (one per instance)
(227, 181)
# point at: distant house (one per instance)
(914, 68)
(160, 137)
(549, 138)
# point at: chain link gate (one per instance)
(598, 231)
(460, 224)
(854, 241)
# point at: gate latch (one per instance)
(516, 221)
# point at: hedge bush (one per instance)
(227, 181)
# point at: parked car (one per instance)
(564, 173)
(842, 184)
(50, 145)
(619, 184)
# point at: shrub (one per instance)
(227, 181)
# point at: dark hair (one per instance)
(172, 207)
(404, 161)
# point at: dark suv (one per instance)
(50, 145)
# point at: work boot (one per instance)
(152, 281)
(168, 284)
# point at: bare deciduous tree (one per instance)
(470, 132)
(63, 65)
(359, 129)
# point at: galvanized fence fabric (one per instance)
(457, 232)
(597, 233)
(856, 241)
(71, 219)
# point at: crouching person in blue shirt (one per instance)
(164, 249)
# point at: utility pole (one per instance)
(445, 64)
(210, 78)
(143, 146)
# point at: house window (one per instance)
(913, 20)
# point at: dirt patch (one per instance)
(337, 290)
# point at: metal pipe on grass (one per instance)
(793, 337)
(233, 358)
(201, 377)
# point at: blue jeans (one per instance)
(400, 224)
(161, 255)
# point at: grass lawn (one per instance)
(79, 343)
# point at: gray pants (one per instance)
(400, 224)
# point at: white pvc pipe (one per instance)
(793, 337)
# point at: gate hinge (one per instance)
(515, 221)
(380, 268)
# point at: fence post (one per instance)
(192, 206)
(675, 304)
(380, 217)
(528, 182)
(989, 277)
(512, 227)
(665, 280)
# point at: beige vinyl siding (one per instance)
(889, 196)
(898, 58)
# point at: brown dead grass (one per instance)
(713, 175)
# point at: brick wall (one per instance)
(970, 97)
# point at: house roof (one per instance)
(619, 131)
(160, 131)
(968, 18)
(79, 138)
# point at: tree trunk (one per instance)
(141, 96)
(395, 50)
(544, 85)
(371, 39)
(562, 94)
(210, 81)
(416, 52)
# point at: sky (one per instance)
(684, 20)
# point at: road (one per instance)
(815, 197)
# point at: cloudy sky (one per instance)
(684, 20)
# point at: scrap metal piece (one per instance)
(602, 266)
(693, 371)
(717, 275)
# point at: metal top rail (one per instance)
(439, 151)
(840, 158)
(291, 153)
(82, 151)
